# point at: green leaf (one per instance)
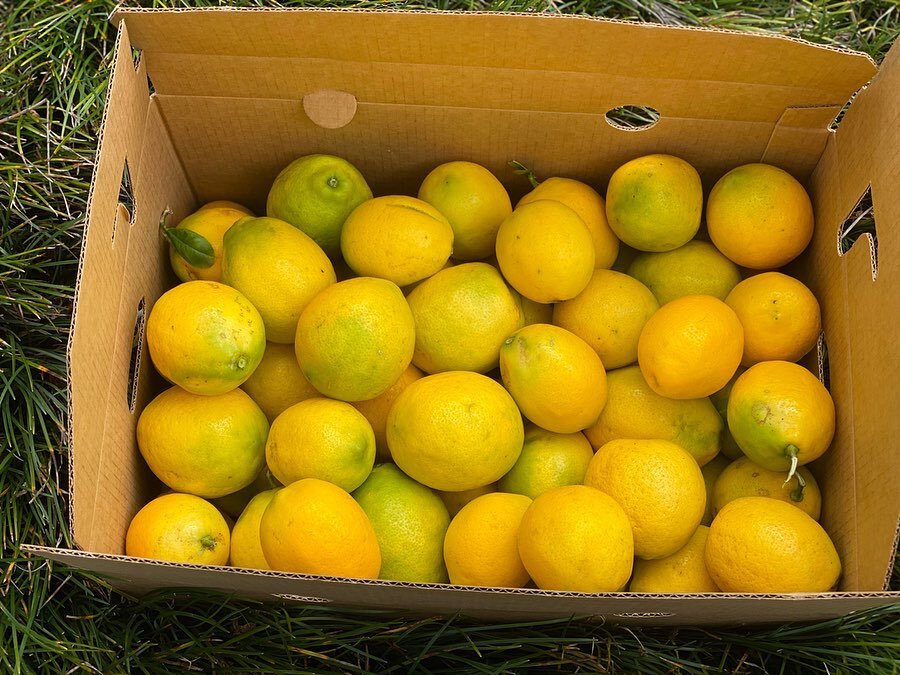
(193, 247)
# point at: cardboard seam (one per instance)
(43, 551)
(121, 13)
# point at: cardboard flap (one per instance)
(496, 60)
(863, 306)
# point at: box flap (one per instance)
(861, 308)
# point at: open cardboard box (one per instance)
(240, 93)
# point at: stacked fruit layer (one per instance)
(578, 393)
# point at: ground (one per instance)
(54, 58)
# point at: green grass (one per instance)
(54, 57)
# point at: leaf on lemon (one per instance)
(193, 247)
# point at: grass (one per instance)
(54, 56)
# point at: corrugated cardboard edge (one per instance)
(123, 12)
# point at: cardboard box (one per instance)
(239, 94)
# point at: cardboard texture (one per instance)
(240, 93)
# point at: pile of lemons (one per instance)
(579, 393)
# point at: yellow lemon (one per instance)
(743, 478)
(462, 315)
(711, 472)
(658, 484)
(355, 339)
(246, 550)
(278, 268)
(759, 216)
(780, 415)
(762, 545)
(691, 347)
(548, 460)
(653, 203)
(376, 410)
(278, 383)
(682, 572)
(455, 431)
(410, 521)
(481, 548)
(590, 207)
(398, 238)
(609, 314)
(226, 204)
(315, 194)
(474, 202)
(780, 316)
(576, 538)
(697, 268)
(554, 376)
(205, 337)
(634, 410)
(209, 446)
(454, 501)
(321, 438)
(719, 399)
(545, 251)
(179, 528)
(210, 222)
(314, 527)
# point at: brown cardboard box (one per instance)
(239, 94)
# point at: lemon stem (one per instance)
(523, 170)
(791, 451)
(208, 542)
(797, 494)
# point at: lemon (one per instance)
(634, 410)
(314, 527)
(278, 383)
(474, 202)
(545, 251)
(691, 347)
(780, 415)
(682, 572)
(209, 446)
(454, 501)
(743, 478)
(355, 339)
(210, 222)
(226, 204)
(205, 337)
(315, 194)
(576, 538)
(321, 438)
(455, 431)
(759, 216)
(376, 410)
(548, 460)
(762, 545)
(246, 550)
(653, 203)
(481, 548)
(780, 316)
(278, 268)
(534, 312)
(590, 207)
(711, 472)
(609, 314)
(658, 484)
(696, 268)
(179, 528)
(554, 376)
(398, 238)
(719, 399)
(462, 316)
(410, 521)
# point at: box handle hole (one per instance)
(861, 223)
(632, 117)
(126, 207)
(137, 346)
(330, 108)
